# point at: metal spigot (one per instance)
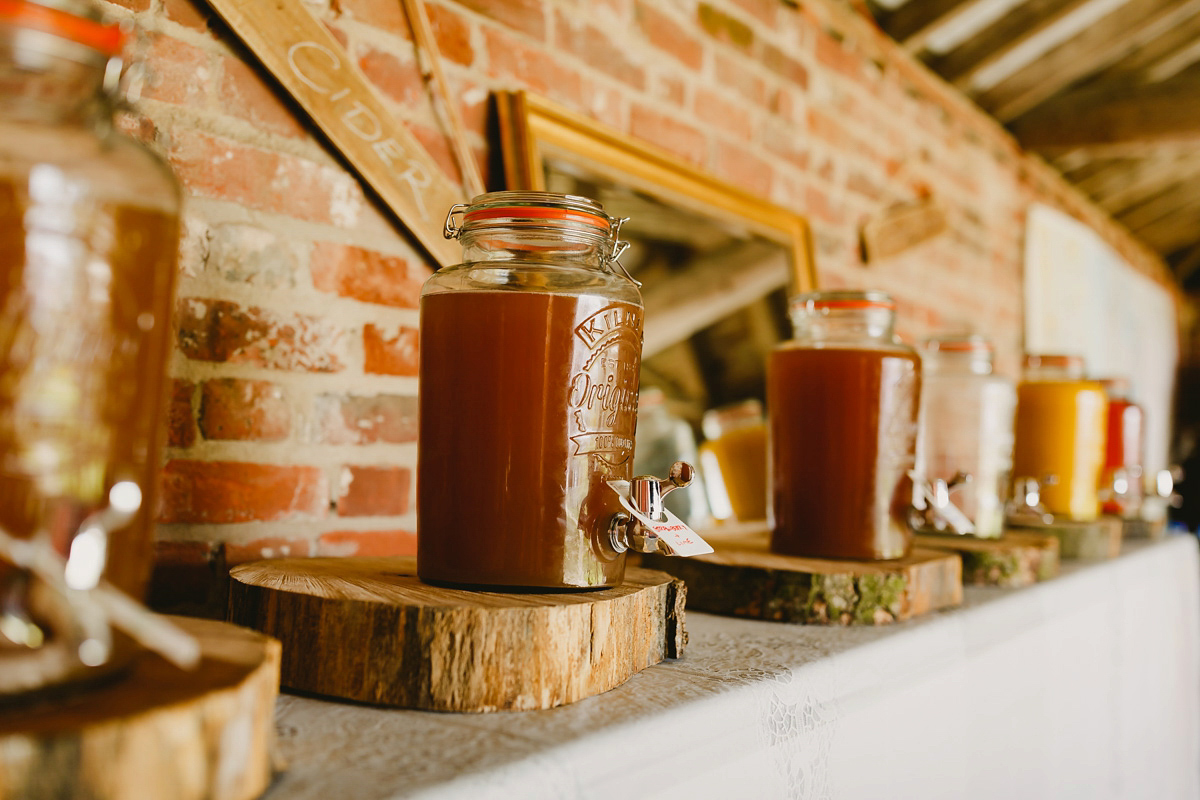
(649, 527)
(1025, 507)
(937, 511)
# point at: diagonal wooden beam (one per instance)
(960, 65)
(1185, 263)
(1154, 54)
(1118, 33)
(911, 23)
(1108, 114)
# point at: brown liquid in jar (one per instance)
(86, 295)
(843, 430)
(528, 406)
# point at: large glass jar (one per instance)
(1060, 434)
(663, 438)
(734, 459)
(88, 244)
(529, 368)
(966, 437)
(1121, 484)
(842, 399)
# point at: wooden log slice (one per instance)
(1018, 558)
(744, 579)
(367, 629)
(1144, 529)
(1097, 539)
(157, 731)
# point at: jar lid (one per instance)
(843, 299)
(77, 21)
(959, 343)
(1054, 361)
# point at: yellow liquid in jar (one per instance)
(1060, 434)
(741, 456)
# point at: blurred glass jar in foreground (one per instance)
(88, 242)
(734, 460)
(1121, 484)
(843, 397)
(1060, 435)
(966, 437)
(662, 439)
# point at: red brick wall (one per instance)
(293, 415)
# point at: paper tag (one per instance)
(676, 535)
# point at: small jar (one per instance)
(1061, 428)
(529, 365)
(734, 458)
(89, 235)
(1121, 484)
(663, 438)
(966, 436)
(843, 397)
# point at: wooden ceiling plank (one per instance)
(1174, 231)
(1168, 203)
(1121, 113)
(1141, 182)
(1111, 38)
(911, 23)
(1145, 58)
(1185, 263)
(960, 65)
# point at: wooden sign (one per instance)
(314, 68)
(901, 228)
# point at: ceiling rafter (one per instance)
(1095, 48)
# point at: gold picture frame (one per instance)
(534, 130)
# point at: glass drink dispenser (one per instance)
(1061, 430)
(529, 369)
(88, 241)
(964, 451)
(842, 398)
(1121, 485)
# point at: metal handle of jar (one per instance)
(649, 527)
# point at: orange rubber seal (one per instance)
(106, 39)
(850, 304)
(535, 212)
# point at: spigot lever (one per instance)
(649, 527)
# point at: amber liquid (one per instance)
(86, 291)
(528, 407)
(842, 441)
(1061, 430)
(741, 456)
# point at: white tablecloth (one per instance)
(1087, 686)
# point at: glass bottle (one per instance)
(843, 398)
(529, 365)
(1061, 428)
(1121, 484)
(88, 242)
(734, 458)
(966, 436)
(662, 439)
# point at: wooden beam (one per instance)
(1185, 263)
(1104, 42)
(1142, 180)
(713, 287)
(1160, 206)
(1154, 54)
(1176, 225)
(960, 65)
(911, 23)
(1168, 110)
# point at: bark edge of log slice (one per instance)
(1092, 540)
(155, 731)
(367, 629)
(744, 579)
(1017, 558)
